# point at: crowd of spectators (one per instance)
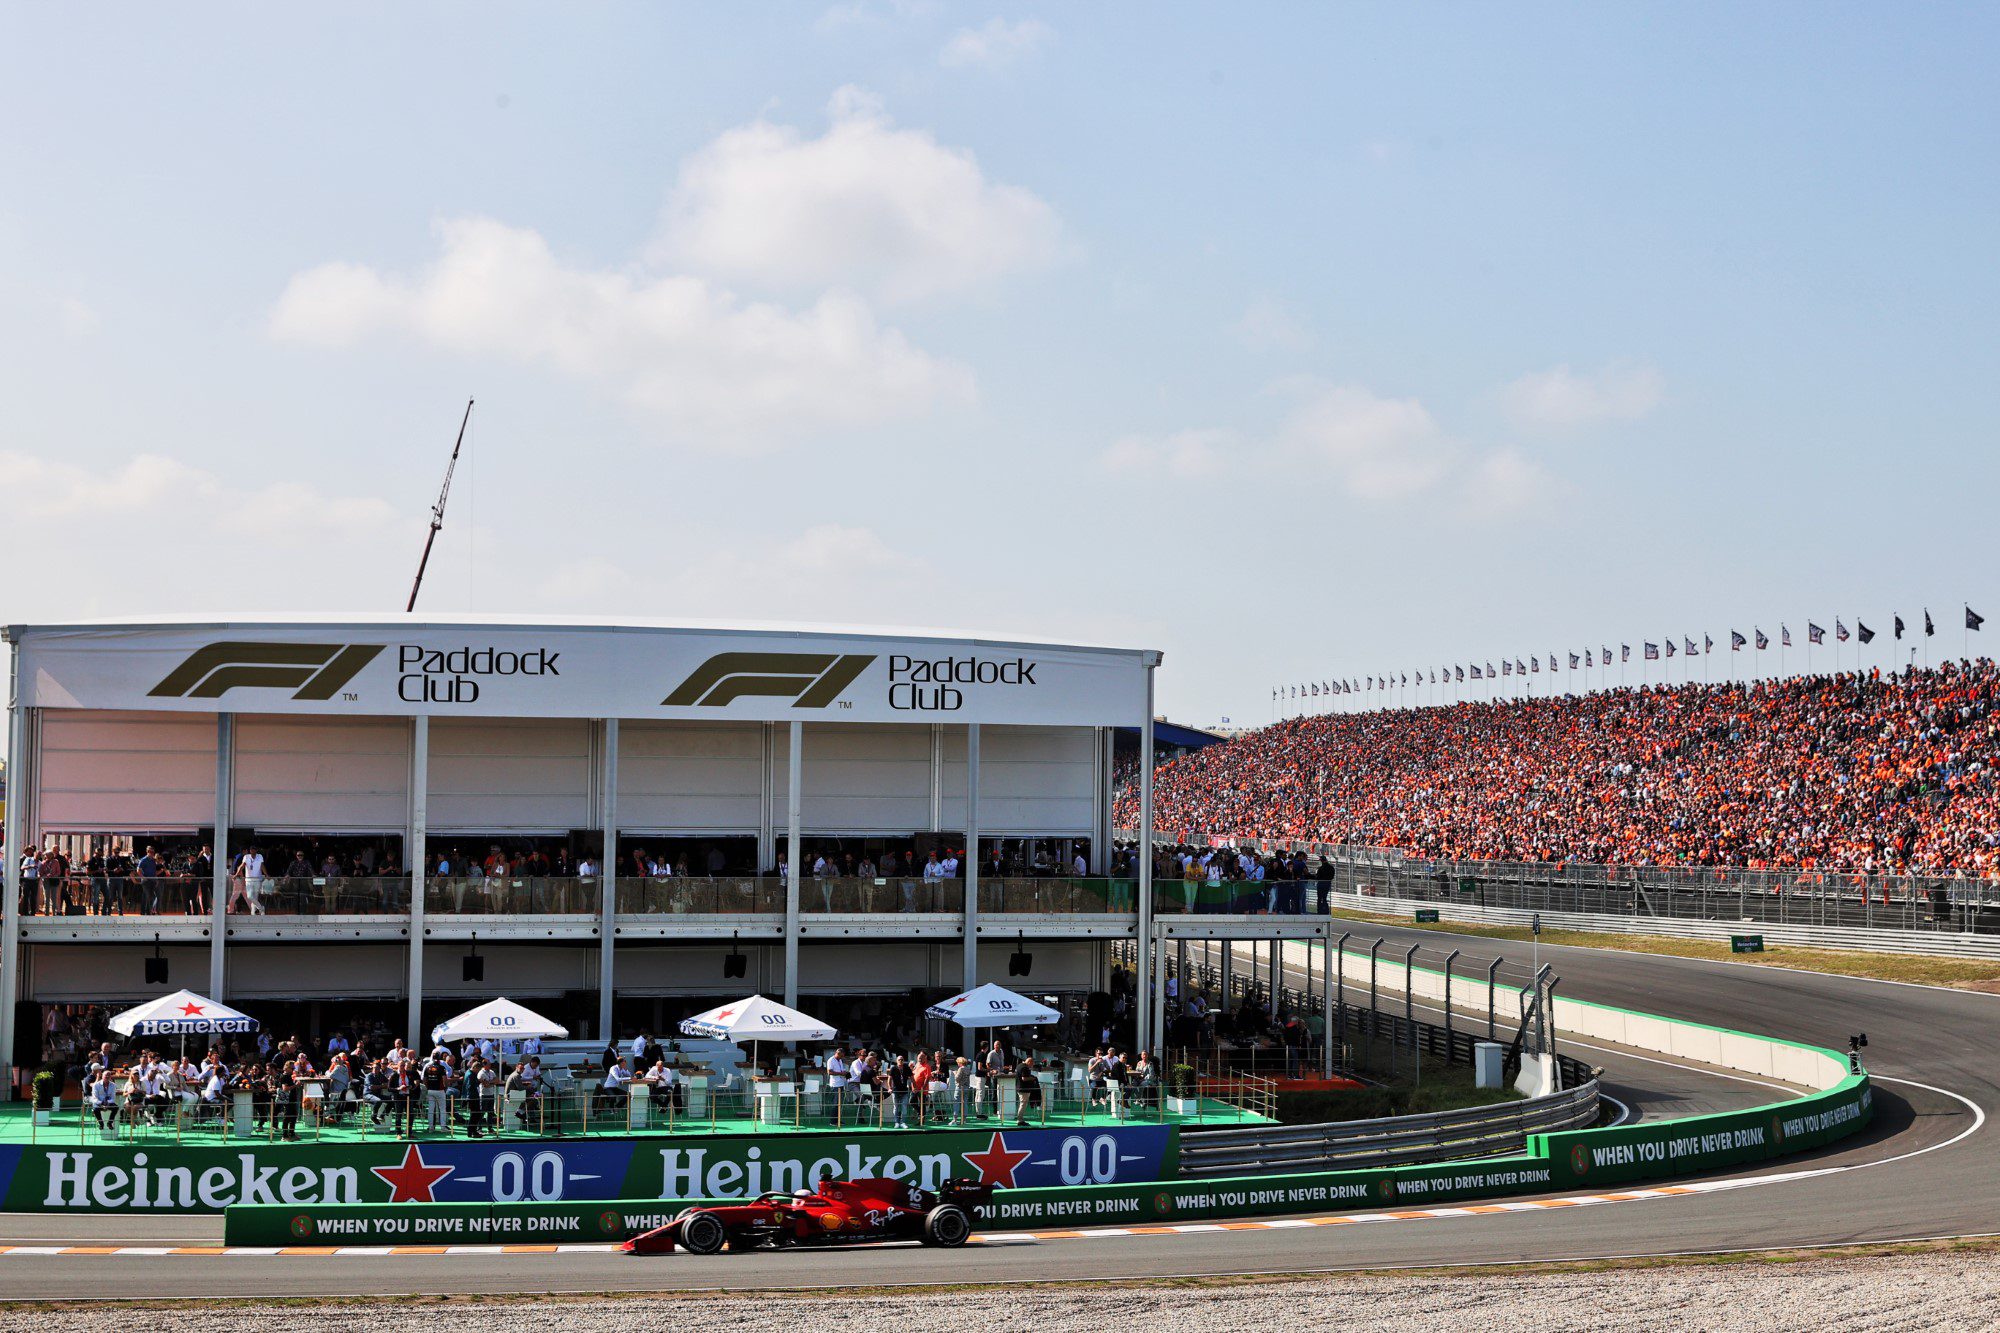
(1881, 773)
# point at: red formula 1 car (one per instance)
(837, 1212)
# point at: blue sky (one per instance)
(1297, 341)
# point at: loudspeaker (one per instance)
(736, 965)
(472, 968)
(1020, 963)
(156, 971)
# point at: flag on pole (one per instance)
(1929, 629)
(1475, 671)
(1506, 667)
(1587, 659)
(1784, 634)
(1624, 652)
(1572, 661)
(1862, 632)
(1461, 673)
(1691, 649)
(1652, 652)
(1815, 633)
(1973, 620)
(1899, 626)
(1535, 665)
(1489, 671)
(1736, 642)
(1840, 630)
(1520, 668)
(1670, 645)
(1763, 639)
(1604, 654)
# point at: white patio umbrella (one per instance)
(502, 1020)
(756, 1019)
(182, 1014)
(993, 1006)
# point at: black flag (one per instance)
(1929, 629)
(1899, 627)
(1865, 634)
(1973, 620)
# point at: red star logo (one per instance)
(960, 1000)
(722, 1014)
(190, 1009)
(997, 1165)
(413, 1181)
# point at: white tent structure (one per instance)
(992, 1006)
(756, 1019)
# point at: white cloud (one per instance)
(994, 43)
(75, 318)
(1376, 448)
(1368, 447)
(1565, 399)
(710, 366)
(830, 571)
(157, 493)
(866, 205)
(863, 13)
(1183, 456)
(1270, 325)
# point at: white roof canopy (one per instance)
(756, 1019)
(182, 1014)
(992, 1006)
(500, 1019)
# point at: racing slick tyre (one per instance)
(703, 1233)
(947, 1225)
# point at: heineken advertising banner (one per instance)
(119, 1178)
(569, 671)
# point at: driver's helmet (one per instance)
(802, 1194)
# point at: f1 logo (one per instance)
(315, 670)
(811, 680)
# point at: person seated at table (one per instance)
(1144, 1080)
(1094, 1071)
(375, 1091)
(667, 1079)
(338, 1080)
(614, 1090)
(103, 1098)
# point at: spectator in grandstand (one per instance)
(1859, 771)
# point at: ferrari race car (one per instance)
(836, 1212)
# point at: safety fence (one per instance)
(1475, 1131)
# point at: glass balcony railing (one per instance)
(513, 895)
(182, 896)
(701, 895)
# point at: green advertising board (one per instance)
(1746, 944)
(1427, 915)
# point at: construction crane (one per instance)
(437, 510)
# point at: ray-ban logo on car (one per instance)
(312, 670)
(810, 680)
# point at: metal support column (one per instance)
(413, 841)
(794, 770)
(1492, 998)
(608, 907)
(971, 977)
(21, 780)
(1449, 959)
(1149, 1036)
(1340, 986)
(218, 878)
(1326, 1013)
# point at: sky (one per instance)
(1296, 341)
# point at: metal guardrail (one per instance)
(1477, 1131)
(1839, 938)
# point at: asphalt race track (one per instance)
(1926, 1168)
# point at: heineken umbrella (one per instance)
(756, 1019)
(182, 1014)
(503, 1021)
(992, 1006)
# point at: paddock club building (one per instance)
(727, 750)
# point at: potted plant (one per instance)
(1183, 1093)
(46, 1085)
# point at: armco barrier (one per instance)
(1649, 1150)
(1840, 1104)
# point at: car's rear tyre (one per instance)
(947, 1225)
(703, 1233)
